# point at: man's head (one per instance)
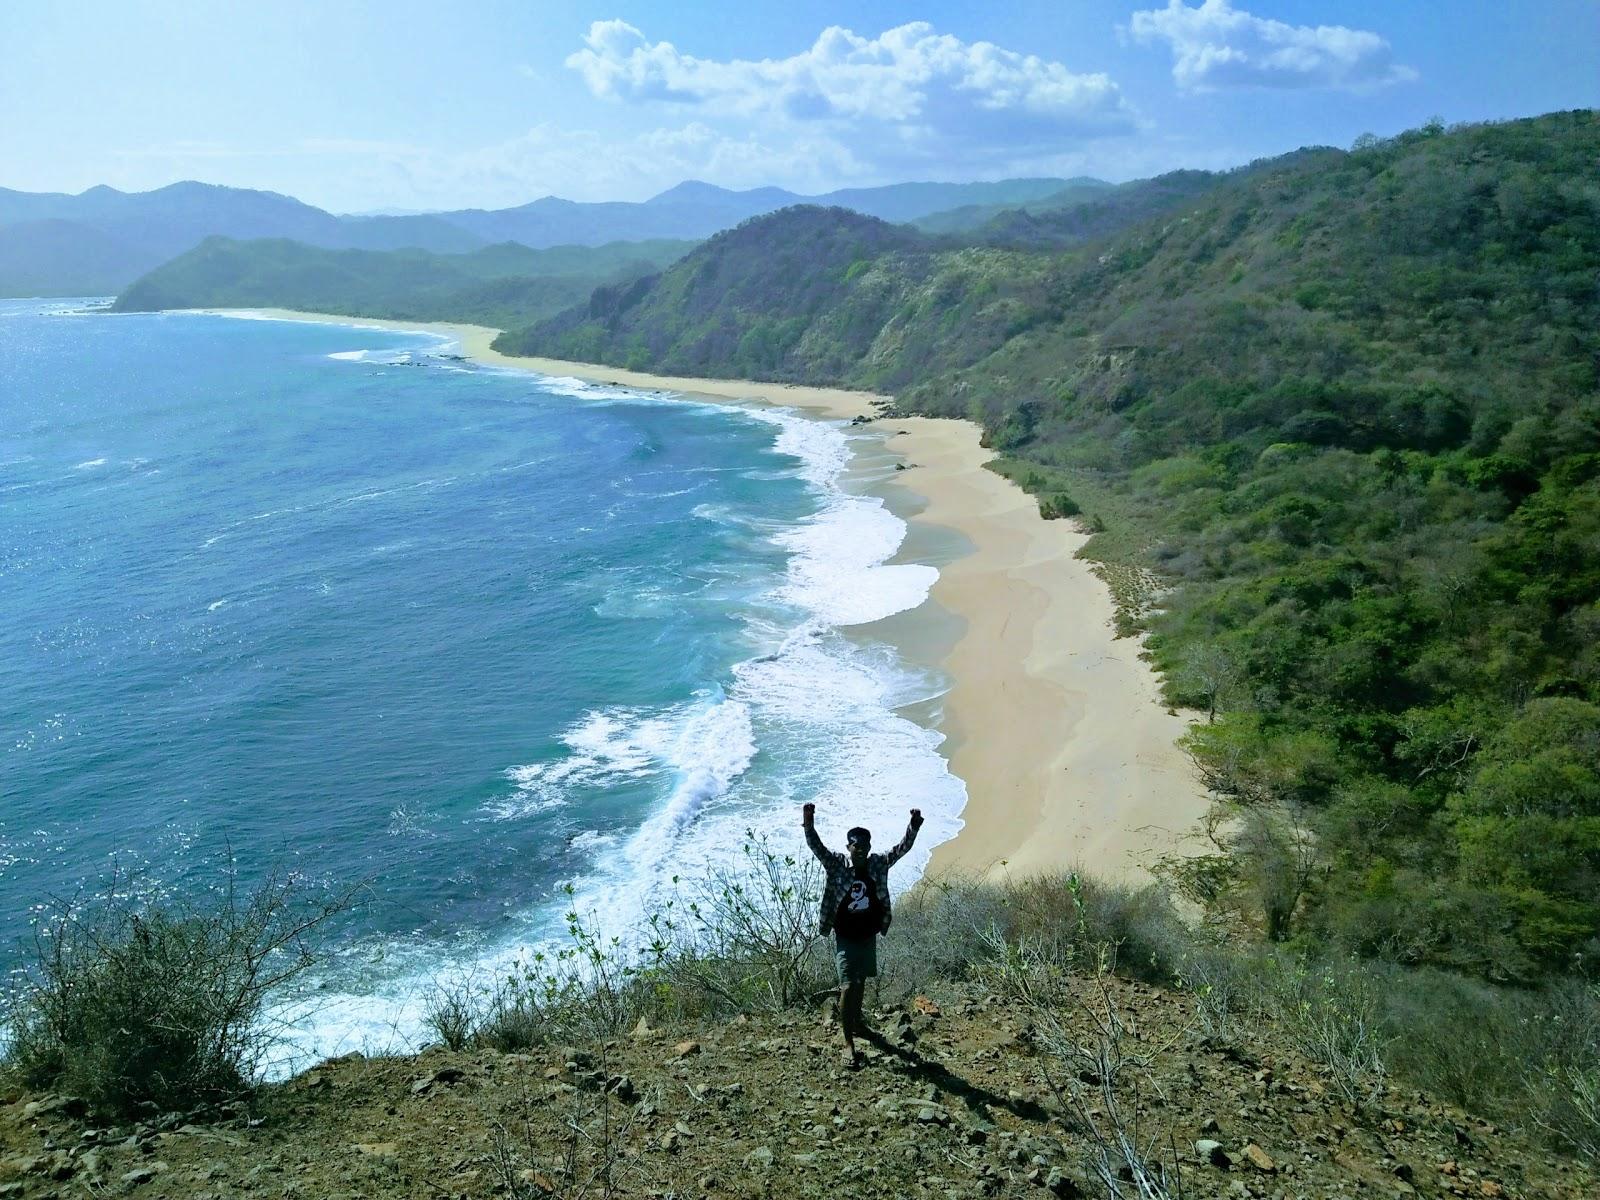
(859, 841)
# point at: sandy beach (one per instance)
(1055, 725)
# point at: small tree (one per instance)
(1209, 672)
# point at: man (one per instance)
(855, 908)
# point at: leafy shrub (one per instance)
(160, 1006)
(1058, 505)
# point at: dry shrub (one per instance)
(948, 924)
(1524, 1058)
(741, 940)
(1087, 1055)
(1331, 1009)
(159, 1007)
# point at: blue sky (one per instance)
(401, 105)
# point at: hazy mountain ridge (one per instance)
(973, 216)
(46, 238)
(53, 257)
(496, 285)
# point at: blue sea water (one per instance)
(327, 599)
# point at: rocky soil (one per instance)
(956, 1104)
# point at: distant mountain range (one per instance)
(101, 240)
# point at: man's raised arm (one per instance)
(808, 818)
(898, 852)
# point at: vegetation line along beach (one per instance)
(1057, 726)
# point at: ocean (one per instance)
(282, 596)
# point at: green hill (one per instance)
(1342, 408)
(1101, 215)
(497, 285)
(810, 294)
(737, 304)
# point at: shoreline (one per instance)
(1055, 726)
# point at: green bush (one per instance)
(138, 1007)
(1466, 1042)
(946, 925)
(1058, 505)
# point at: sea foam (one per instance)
(818, 708)
(821, 705)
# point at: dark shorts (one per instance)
(857, 958)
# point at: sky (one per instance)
(400, 105)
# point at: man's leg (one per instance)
(850, 1011)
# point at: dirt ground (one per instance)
(955, 1103)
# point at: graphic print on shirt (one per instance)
(858, 911)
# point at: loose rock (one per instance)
(1259, 1158)
(1207, 1150)
(143, 1174)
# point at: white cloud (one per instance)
(584, 164)
(906, 89)
(848, 111)
(1216, 46)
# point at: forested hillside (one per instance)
(719, 311)
(1344, 407)
(1099, 216)
(498, 285)
(815, 293)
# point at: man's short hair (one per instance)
(858, 834)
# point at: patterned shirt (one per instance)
(841, 874)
